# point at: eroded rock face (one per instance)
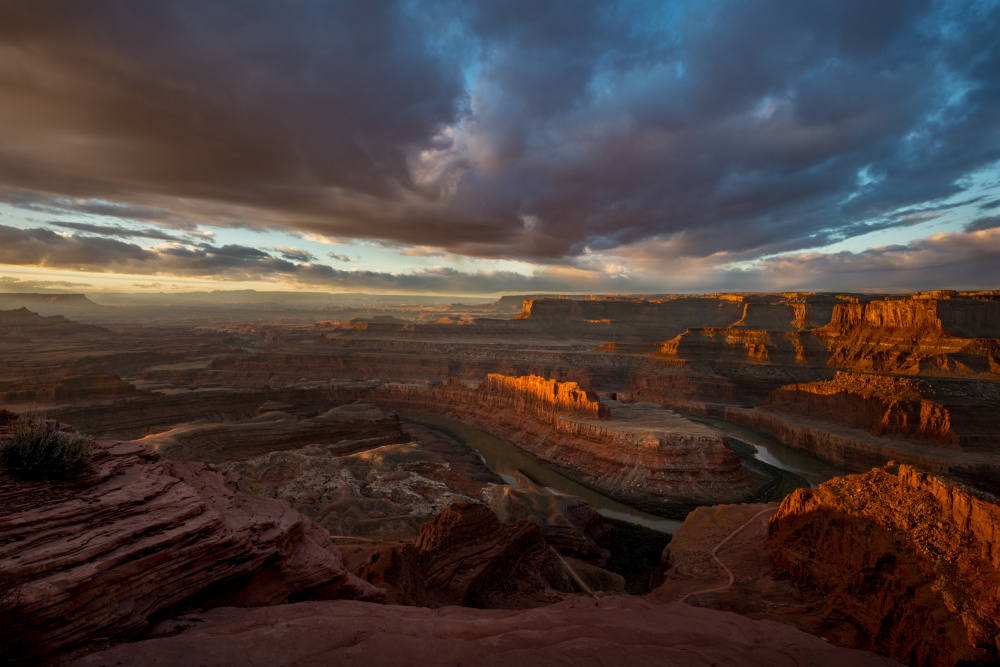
(568, 523)
(608, 631)
(540, 398)
(99, 556)
(744, 345)
(926, 336)
(641, 452)
(912, 561)
(466, 556)
(352, 427)
(384, 492)
(79, 387)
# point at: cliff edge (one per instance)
(912, 560)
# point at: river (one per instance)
(770, 451)
(518, 469)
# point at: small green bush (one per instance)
(36, 451)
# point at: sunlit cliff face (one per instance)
(442, 146)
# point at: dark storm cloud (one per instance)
(530, 129)
(979, 224)
(42, 247)
(295, 255)
(990, 205)
(118, 232)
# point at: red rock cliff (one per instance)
(916, 336)
(881, 405)
(912, 560)
(539, 397)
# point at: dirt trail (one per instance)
(724, 587)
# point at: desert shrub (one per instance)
(36, 451)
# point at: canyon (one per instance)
(250, 456)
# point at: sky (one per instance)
(499, 146)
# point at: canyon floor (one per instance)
(495, 483)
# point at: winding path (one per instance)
(729, 573)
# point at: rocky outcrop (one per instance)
(382, 493)
(99, 557)
(568, 523)
(926, 336)
(882, 405)
(669, 316)
(744, 345)
(540, 398)
(21, 324)
(948, 314)
(910, 559)
(83, 387)
(642, 453)
(580, 631)
(53, 304)
(466, 556)
(855, 450)
(352, 428)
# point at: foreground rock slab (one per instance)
(578, 632)
(95, 558)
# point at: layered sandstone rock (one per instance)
(882, 405)
(21, 325)
(913, 561)
(97, 557)
(568, 523)
(351, 427)
(642, 452)
(720, 559)
(927, 336)
(854, 449)
(466, 556)
(382, 493)
(540, 398)
(756, 346)
(581, 631)
(669, 316)
(83, 387)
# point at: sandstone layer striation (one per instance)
(465, 556)
(98, 557)
(911, 560)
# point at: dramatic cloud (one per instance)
(979, 224)
(960, 260)
(119, 232)
(939, 261)
(295, 255)
(541, 130)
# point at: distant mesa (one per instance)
(52, 304)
